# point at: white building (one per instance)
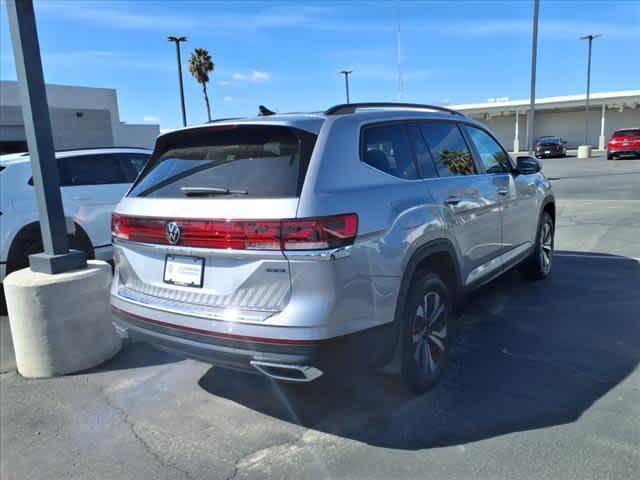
(81, 117)
(559, 116)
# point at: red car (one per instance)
(624, 143)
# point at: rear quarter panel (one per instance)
(395, 218)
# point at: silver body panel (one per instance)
(325, 294)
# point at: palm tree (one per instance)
(200, 64)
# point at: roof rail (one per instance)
(216, 120)
(345, 108)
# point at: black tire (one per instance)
(28, 242)
(539, 264)
(426, 332)
(609, 156)
(3, 302)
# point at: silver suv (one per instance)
(263, 243)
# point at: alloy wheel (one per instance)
(429, 333)
(546, 246)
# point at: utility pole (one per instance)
(56, 257)
(346, 74)
(586, 104)
(532, 96)
(177, 41)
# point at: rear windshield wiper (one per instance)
(210, 191)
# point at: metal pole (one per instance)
(590, 38)
(177, 41)
(532, 98)
(37, 124)
(346, 74)
(400, 82)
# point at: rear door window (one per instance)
(237, 160)
(100, 169)
(448, 149)
(132, 164)
(427, 168)
(386, 148)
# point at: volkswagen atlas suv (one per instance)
(262, 243)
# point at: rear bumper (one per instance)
(226, 350)
(624, 151)
(552, 153)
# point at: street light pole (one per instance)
(532, 96)
(56, 257)
(586, 105)
(177, 41)
(346, 74)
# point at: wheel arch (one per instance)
(549, 205)
(439, 256)
(33, 228)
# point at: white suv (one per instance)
(92, 182)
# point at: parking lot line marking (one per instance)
(595, 255)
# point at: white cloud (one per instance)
(255, 76)
(223, 82)
(227, 98)
(151, 118)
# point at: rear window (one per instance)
(631, 132)
(238, 161)
(549, 140)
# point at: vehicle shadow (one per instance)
(528, 356)
(134, 355)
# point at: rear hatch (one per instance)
(199, 231)
(629, 138)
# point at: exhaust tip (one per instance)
(287, 373)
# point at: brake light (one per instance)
(296, 234)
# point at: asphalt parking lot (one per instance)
(543, 384)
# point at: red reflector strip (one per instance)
(296, 234)
(208, 333)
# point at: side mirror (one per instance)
(528, 165)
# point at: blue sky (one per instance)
(286, 55)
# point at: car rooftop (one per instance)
(24, 156)
(312, 121)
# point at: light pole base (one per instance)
(61, 324)
(584, 151)
(53, 264)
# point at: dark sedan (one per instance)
(551, 147)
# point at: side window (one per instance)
(386, 147)
(132, 164)
(90, 170)
(427, 169)
(448, 148)
(493, 157)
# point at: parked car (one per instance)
(261, 244)
(91, 181)
(551, 147)
(624, 143)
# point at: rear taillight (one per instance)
(296, 234)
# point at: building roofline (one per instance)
(550, 101)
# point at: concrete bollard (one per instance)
(584, 151)
(61, 323)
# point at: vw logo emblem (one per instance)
(173, 232)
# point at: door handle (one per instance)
(453, 200)
(503, 191)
